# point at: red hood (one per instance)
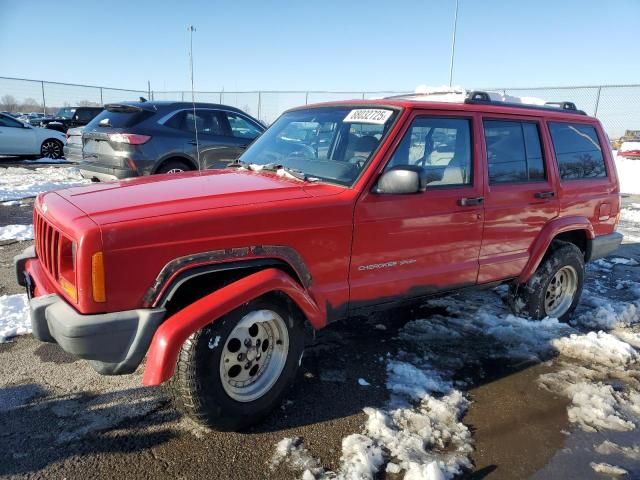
(169, 194)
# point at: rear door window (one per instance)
(208, 122)
(514, 153)
(241, 127)
(578, 151)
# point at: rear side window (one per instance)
(578, 151)
(85, 115)
(514, 153)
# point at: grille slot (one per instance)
(48, 244)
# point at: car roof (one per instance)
(176, 104)
(524, 110)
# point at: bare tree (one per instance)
(9, 103)
(30, 105)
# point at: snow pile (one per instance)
(14, 316)
(628, 174)
(48, 160)
(17, 183)
(16, 232)
(596, 407)
(607, 469)
(292, 452)
(597, 348)
(610, 448)
(629, 146)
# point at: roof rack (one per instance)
(480, 97)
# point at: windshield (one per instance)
(66, 113)
(330, 143)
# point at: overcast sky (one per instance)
(320, 45)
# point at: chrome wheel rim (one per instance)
(51, 149)
(254, 355)
(175, 170)
(561, 292)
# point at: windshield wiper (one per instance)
(294, 172)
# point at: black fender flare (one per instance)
(181, 269)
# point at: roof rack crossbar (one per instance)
(480, 97)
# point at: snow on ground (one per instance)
(14, 316)
(628, 174)
(16, 232)
(420, 434)
(607, 469)
(17, 183)
(47, 160)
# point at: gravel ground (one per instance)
(59, 419)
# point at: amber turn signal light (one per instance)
(97, 277)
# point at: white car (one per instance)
(17, 138)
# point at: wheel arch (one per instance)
(174, 156)
(171, 335)
(576, 230)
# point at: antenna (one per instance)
(193, 101)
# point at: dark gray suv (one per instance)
(141, 138)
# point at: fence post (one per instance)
(101, 100)
(259, 103)
(44, 101)
(306, 98)
(220, 102)
(362, 95)
(595, 113)
(182, 95)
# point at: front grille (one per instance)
(48, 244)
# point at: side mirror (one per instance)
(401, 180)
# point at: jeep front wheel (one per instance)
(554, 289)
(233, 372)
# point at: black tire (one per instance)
(52, 148)
(196, 386)
(529, 299)
(174, 166)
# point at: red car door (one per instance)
(414, 244)
(521, 195)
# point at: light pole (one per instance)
(453, 44)
(193, 100)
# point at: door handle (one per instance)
(545, 194)
(468, 202)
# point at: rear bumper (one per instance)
(73, 153)
(114, 343)
(105, 173)
(603, 245)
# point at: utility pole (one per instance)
(193, 98)
(453, 44)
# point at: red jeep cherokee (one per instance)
(337, 208)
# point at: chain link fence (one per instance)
(617, 106)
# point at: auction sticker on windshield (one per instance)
(368, 115)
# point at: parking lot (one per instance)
(458, 381)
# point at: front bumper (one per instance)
(114, 343)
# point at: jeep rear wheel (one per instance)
(554, 289)
(233, 372)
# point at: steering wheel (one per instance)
(303, 151)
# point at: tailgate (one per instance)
(96, 148)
